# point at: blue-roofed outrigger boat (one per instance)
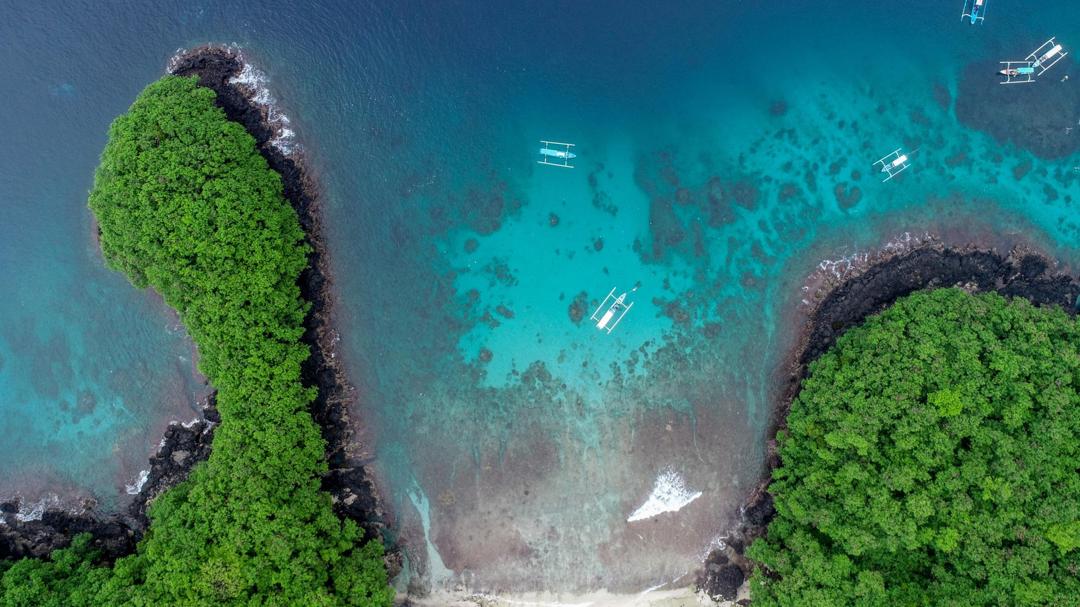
(975, 10)
(1035, 64)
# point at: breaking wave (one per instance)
(256, 83)
(669, 494)
(136, 487)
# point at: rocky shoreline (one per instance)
(348, 480)
(44, 530)
(839, 307)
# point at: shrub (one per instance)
(188, 206)
(932, 457)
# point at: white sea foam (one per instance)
(35, 511)
(484, 598)
(847, 264)
(190, 424)
(436, 567)
(257, 82)
(662, 584)
(669, 494)
(136, 487)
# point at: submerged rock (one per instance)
(577, 307)
(1034, 118)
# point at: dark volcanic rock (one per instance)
(1020, 274)
(1024, 275)
(114, 534)
(726, 582)
(762, 511)
(721, 578)
(348, 481)
(1030, 117)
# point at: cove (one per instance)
(512, 440)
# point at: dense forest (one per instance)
(932, 457)
(186, 205)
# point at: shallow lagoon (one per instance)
(515, 442)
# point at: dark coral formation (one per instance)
(577, 307)
(942, 96)
(1033, 117)
(847, 196)
(1022, 273)
(600, 199)
(484, 210)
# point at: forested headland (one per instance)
(186, 205)
(932, 457)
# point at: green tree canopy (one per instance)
(932, 457)
(188, 206)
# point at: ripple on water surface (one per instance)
(524, 449)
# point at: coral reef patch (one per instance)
(1051, 132)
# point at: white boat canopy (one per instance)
(553, 153)
(893, 163)
(611, 311)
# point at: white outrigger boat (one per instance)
(613, 308)
(975, 10)
(556, 154)
(1035, 64)
(893, 163)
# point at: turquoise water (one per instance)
(513, 443)
(521, 472)
(91, 370)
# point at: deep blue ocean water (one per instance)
(513, 443)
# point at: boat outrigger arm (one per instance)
(893, 164)
(975, 10)
(1017, 72)
(1035, 64)
(556, 154)
(1048, 54)
(611, 311)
